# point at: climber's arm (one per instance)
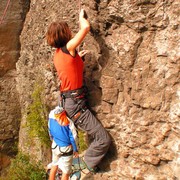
(78, 38)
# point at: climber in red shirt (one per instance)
(69, 66)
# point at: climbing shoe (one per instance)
(96, 169)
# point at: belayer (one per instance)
(64, 136)
(69, 66)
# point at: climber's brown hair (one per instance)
(58, 34)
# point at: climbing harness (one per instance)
(76, 95)
(5, 11)
(63, 153)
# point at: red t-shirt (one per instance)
(69, 69)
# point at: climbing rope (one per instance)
(81, 166)
(5, 11)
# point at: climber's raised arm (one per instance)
(78, 38)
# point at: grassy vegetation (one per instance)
(23, 169)
(37, 116)
(82, 141)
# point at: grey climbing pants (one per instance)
(88, 122)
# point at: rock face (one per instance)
(10, 111)
(132, 72)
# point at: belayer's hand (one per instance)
(76, 154)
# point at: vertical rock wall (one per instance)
(10, 110)
(132, 72)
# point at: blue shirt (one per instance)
(62, 135)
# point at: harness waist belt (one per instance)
(64, 153)
(67, 153)
(73, 93)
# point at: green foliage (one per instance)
(37, 116)
(14, 147)
(82, 141)
(23, 169)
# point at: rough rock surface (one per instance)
(132, 72)
(10, 111)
